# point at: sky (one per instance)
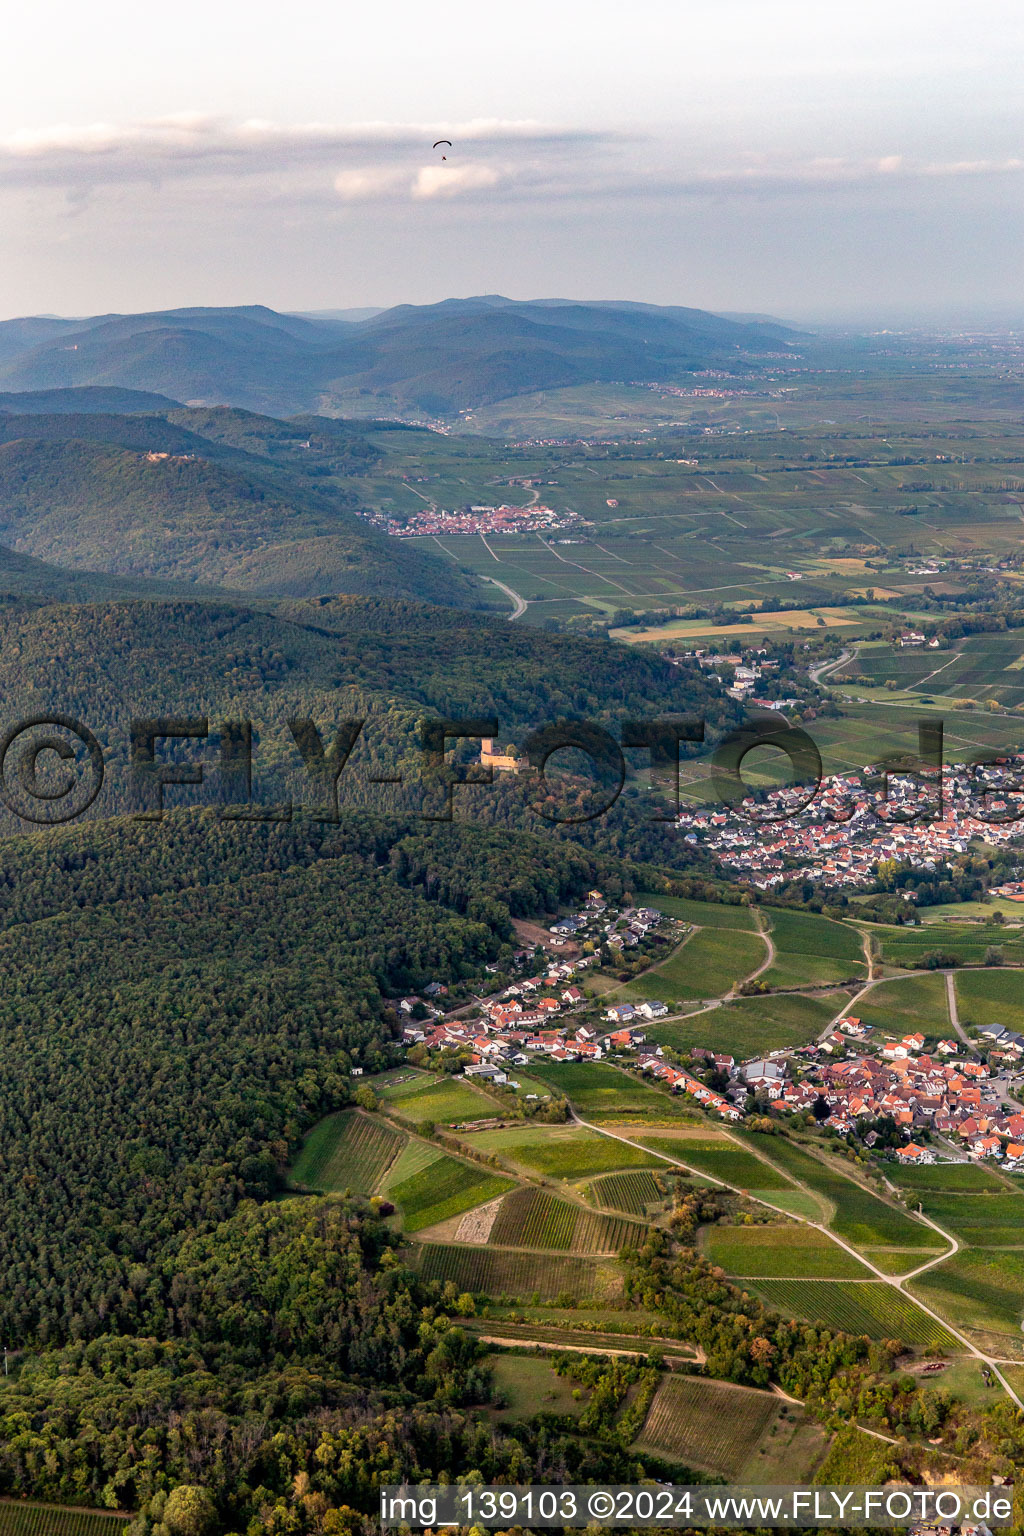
(856, 162)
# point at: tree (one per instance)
(190, 1511)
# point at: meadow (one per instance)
(708, 1425)
(347, 1150)
(703, 914)
(781, 1253)
(528, 1384)
(955, 1178)
(445, 1102)
(967, 943)
(445, 1187)
(869, 1307)
(503, 1272)
(812, 950)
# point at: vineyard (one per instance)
(51, 1520)
(706, 1424)
(497, 1272)
(722, 1159)
(445, 1187)
(859, 1307)
(779, 1252)
(346, 1151)
(630, 1193)
(530, 1218)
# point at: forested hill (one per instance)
(97, 507)
(386, 662)
(440, 357)
(178, 1001)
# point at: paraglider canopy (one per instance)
(443, 141)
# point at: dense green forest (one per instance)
(96, 506)
(387, 662)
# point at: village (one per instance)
(432, 520)
(922, 1100)
(852, 825)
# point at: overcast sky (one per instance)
(803, 157)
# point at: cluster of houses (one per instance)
(942, 1092)
(849, 829)
(684, 1082)
(503, 519)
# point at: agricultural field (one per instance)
(991, 997)
(779, 1253)
(446, 1102)
(631, 1193)
(953, 1178)
(967, 943)
(21, 1519)
(812, 950)
(905, 1004)
(708, 963)
(703, 914)
(708, 1425)
(723, 1160)
(858, 1215)
(994, 1220)
(751, 1024)
(532, 1218)
(348, 1150)
(599, 1091)
(979, 1289)
(567, 1152)
(504, 1272)
(870, 1307)
(445, 1187)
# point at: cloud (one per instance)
(451, 180)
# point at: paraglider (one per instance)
(443, 141)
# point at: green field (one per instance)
(966, 943)
(532, 1218)
(751, 1024)
(704, 914)
(632, 1193)
(18, 1519)
(994, 1220)
(563, 1152)
(907, 1004)
(859, 1216)
(722, 1159)
(710, 962)
(444, 1102)
(348, 1150)
(503, 1272)
(991, 997)
(812, 950)
(964, 1178)
(528, 1384)
(779, 1252)
(599, 1091)
(977, 1289)
(852, 1306)
(707, 1424)
(445, 1187)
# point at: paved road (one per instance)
(519, 603)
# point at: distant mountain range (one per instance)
(435, 359)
